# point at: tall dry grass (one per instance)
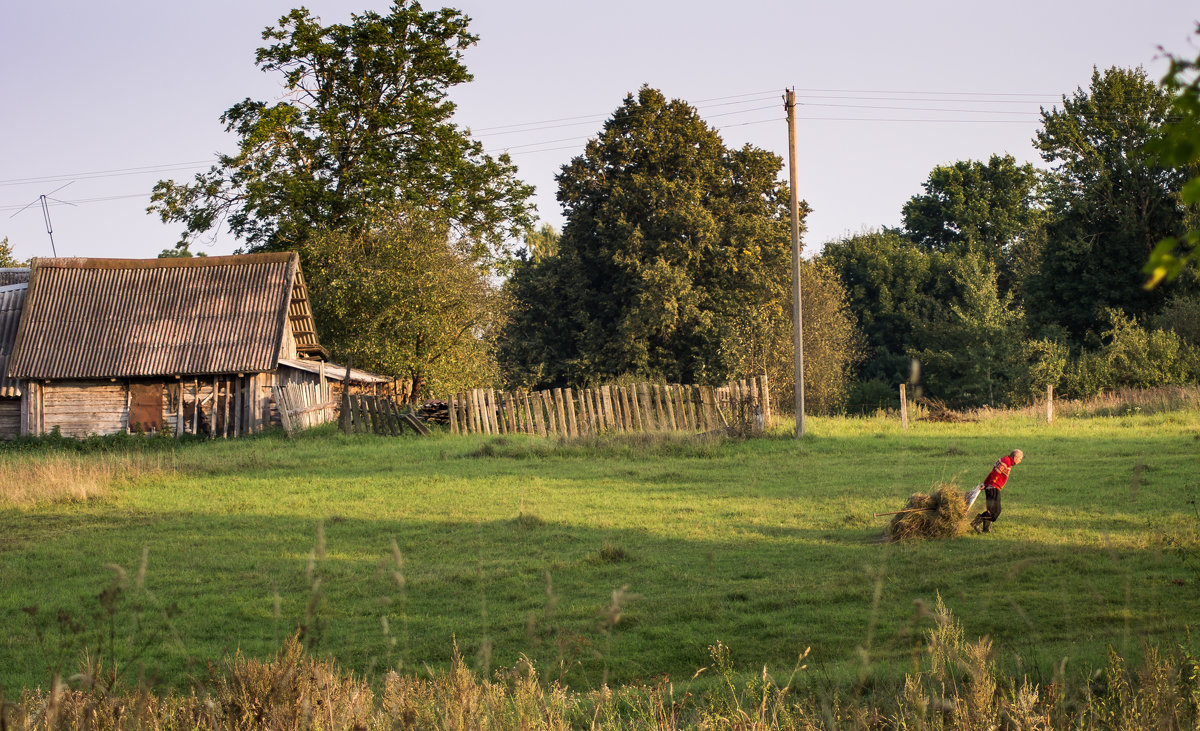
(28, 479)
(955, 686)
(1122, 402)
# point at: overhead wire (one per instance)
(810, 94)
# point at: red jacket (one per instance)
(999, 474)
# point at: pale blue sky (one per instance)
(108, 87)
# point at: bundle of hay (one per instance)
(944, 516)
(937, 410)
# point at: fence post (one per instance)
(765, 395)
(1049, 403)
(903, 408)
(572, 420)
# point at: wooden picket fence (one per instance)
(304, 405)
(742, 406)
(370, 414)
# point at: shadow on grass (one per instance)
(546, 590)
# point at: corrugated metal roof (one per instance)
(11, 300)
(112, 318)
(13, 275)
(335, 372)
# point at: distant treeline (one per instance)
(674, 263)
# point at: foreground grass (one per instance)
(622, 560)
(953, 685)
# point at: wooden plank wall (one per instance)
(10, 418)
(81, 408)
(214, 406)
(643, 407)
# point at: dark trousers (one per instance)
(992, 514)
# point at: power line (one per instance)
(917, 109)
(930, 93)
(966, 97)
(164, 167)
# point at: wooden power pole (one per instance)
(789, 103)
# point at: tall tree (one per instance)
(969, 350)
(670, 239)
(7, 258)
(404, 297)
(975, 207)
(365, 121)
(1109, 201)
(542, 242)
(832, 344)
(893, 287)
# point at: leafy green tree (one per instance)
(893, 287)
(1180, 315)
(974, 207)
(968, 352)
(365, 121)
(7, 258)
(1132, 356)
(833, 345)
(404, 297)
(542, 242)
(1043, 362)
(1108, 199)
(1179, 147)
(671, 240)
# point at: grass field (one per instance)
(621, 559)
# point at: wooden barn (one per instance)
(12, 298)
(152, 345)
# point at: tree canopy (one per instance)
(404, 297)
(975, 207)
(7, 258)
(1109, 201)
(671, 239)
(365, 123)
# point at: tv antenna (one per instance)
(44, 200)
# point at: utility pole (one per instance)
(789, 103)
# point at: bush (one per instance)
(868, 396)
(1181, 316)
(1132, 357)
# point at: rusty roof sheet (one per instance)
(11, 300)
(112, 318)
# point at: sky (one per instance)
(101, 100)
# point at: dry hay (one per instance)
(937, 410)
(945, 516)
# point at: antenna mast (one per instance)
(44, 200)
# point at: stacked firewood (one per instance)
(434, 412)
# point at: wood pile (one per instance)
(434, 412)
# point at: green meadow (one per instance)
(618, 560)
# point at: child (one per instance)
(992, 485)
